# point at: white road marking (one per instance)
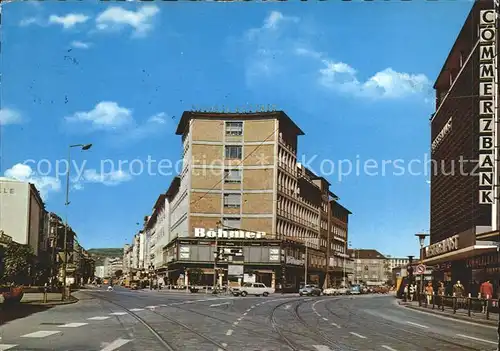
(73, 325)
(235, 323)
(358, 335)
(162, 305)
(388, 348)
(245, 313)
(224, 344)
(118, 313)
(229, 332)
(116, 344)
(4, 347)
(137, 309)
(151, 307)
(322, 348)
(219, 304)
(249, 310)
(98, 318)
(287, 307)
(336, 325)
(325, 319)
(41, 334)
(240, 318)
(418, 325)
(477, 339)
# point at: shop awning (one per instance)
(461, 254)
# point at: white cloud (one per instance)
(10, 116)
(70, 20)
(116, 18)
(110, 116)
(107, 178)
(25, 22)
(105, 115)
(159, 118)
(279, 48)
(80, 44)
(44, 184)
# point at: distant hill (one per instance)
(100, 254)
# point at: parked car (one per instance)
(310, 290)
(257, 289)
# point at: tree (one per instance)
(18, 263)
(118, 273)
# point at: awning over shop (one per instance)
(461, 254)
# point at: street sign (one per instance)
(420, 269)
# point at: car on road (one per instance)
(310, 290)
(335, 291)
(257, 289)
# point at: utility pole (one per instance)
(326, 285)
(216, 256)
(357, 261)
(305, 266)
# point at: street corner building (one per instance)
(244, 208)
(464, 223)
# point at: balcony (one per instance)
(297, 219)
(288, 169)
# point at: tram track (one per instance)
(166, 344)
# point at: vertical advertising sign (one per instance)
(487, 107)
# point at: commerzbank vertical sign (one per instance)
(487, 106)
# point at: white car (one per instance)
(335, 291)
(257, 289)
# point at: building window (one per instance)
(232, 200)
(232, 175)
(232, 222)
(234, 152)
(234, 128)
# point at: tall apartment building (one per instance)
(22, 213)
(241, 182)
(463, 213)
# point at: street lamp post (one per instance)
(83, 147)
(421, 237)
(410, 274)
(216, 256)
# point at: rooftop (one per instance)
(188, 115)
(366, 254)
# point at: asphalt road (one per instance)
(126, 320)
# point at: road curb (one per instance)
(462, 318)
(72, 300)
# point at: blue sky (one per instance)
(356, 77)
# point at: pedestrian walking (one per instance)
(458, 289)
(412, 292)
(429, 291)
(486, 293)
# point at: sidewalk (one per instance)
(52, 299)
(461, 314)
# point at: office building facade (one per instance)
(242, 185)
(464, 214)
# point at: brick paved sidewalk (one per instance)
(461, 314)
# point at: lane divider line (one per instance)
(358, 335)
(477, 339)
(418, 325)
(229, 332)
